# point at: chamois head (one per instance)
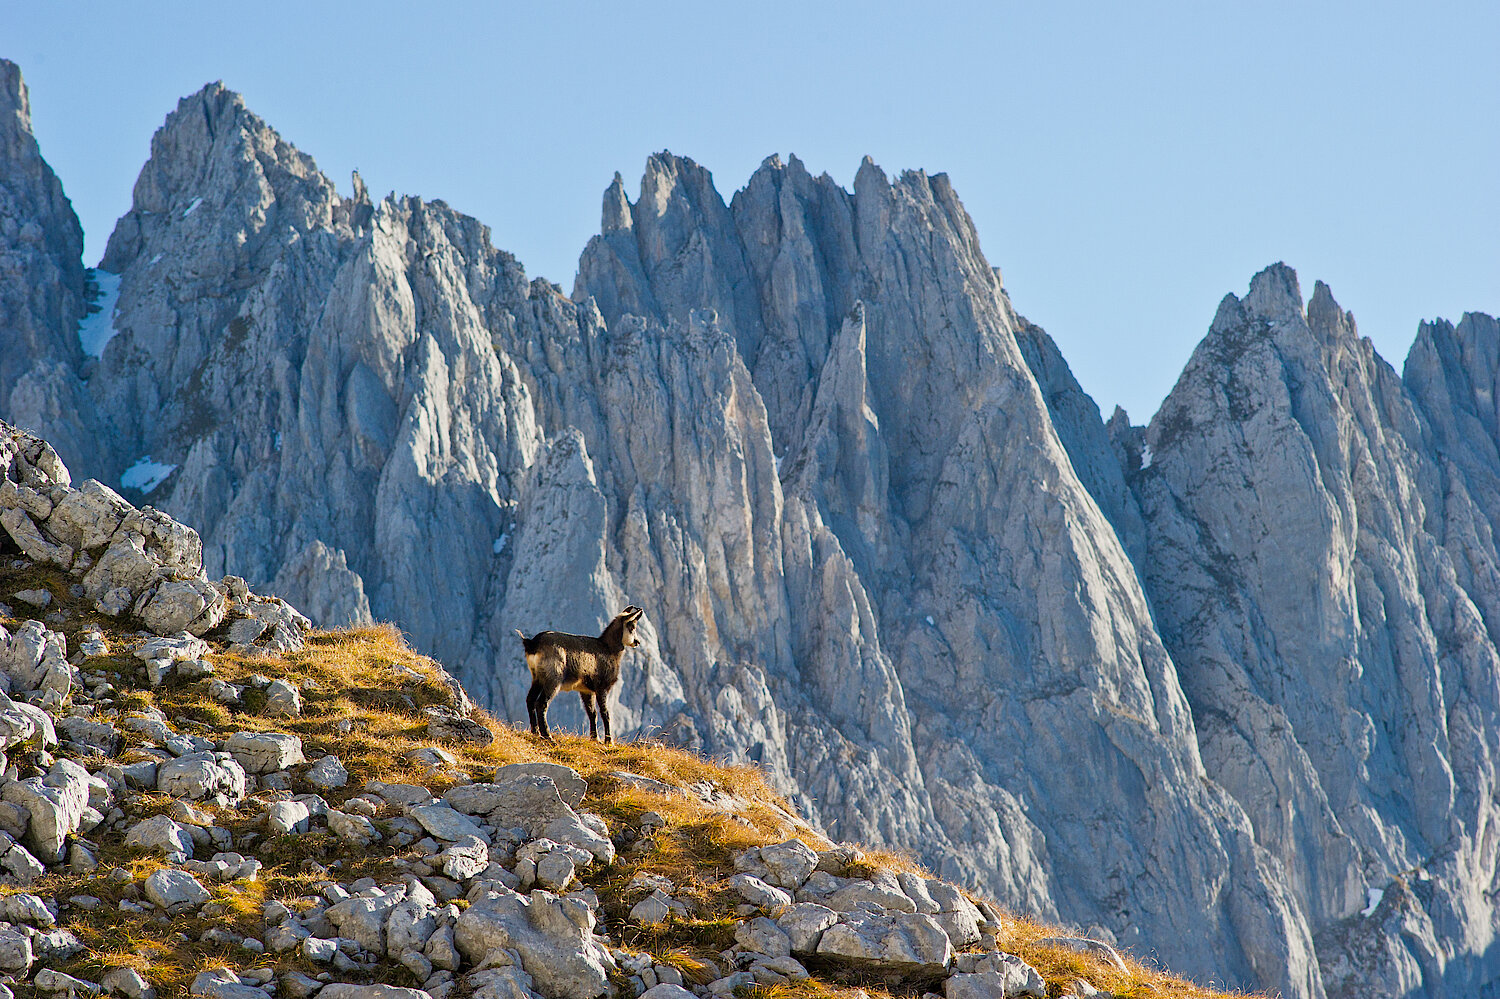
(626, 622)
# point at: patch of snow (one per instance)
(1374, 895)
(154, 260)
(778, 458)
(146, 475)
(499, 545)
(192, 207)
(870, 416)
(98, 328)
(931, 621)
(1146, 457)
(277, 440)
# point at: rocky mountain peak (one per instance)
(44, 294)
(15, 105)
(868, 176)
(213, 151)
(1275, 294)
(1456, 370)
(616, 211)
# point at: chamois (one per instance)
(591, 666)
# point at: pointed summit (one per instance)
(218, 171)
(615, 215)
(1275, 294)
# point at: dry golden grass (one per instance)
(371, 680)
(1061, 965)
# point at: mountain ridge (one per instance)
(795, 424)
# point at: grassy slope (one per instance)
(361, 676)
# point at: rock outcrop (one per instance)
(134, 562)
(1204, 685)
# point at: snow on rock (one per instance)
(98, 327)
(145, 475)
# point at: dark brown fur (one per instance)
(591, 666)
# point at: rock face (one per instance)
(1322, 561)
(44, 291)
(1203, 684)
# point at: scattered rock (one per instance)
(446, 823)
(665, 990)
(285, 817)
(175, 890)
(344, 991)
(36, 598)
(160, 834)
(362, 918)
(571, 786)
(1006, 976)
(265, 752)
(127, 982)
(786, 865)
(245, 631)
(99, 736)
(553, 937)
(1093, 948)
(355, 828)
(202, 775)
(295, 985)
(48, 980)
(466, 858)
(195, 669)
(328, 773)
(15, 950)
(404, 794)
(18, 862)
(882, 891)
(449, 726)
(901, 941)
(431, 758)
(763, 936)
(804, 924)
(282, 701)
(655, 908)
(756, 892)
(221, 983)
(56, 804)
(177, 648)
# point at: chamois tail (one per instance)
(529, 644)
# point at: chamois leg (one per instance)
(604, 716)
(531, 699)
(543, 700)
(588, 707)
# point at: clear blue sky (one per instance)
(1126, 163)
